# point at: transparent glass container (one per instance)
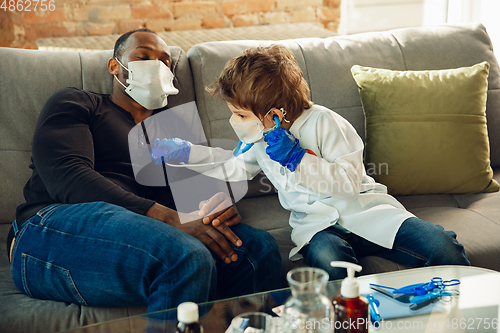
(308, 310)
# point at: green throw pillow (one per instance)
(426, 130)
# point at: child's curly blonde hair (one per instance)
(264, 78)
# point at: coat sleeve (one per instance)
(338, 169)
(222, 164)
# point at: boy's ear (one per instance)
(277, 112)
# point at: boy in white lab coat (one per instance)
(314, 158)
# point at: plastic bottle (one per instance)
(187, 315)
(350, 308)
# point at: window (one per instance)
(375, 15)
(465, 11)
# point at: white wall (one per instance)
(376, 15)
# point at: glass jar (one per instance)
(308, 309)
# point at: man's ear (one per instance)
(113, 66)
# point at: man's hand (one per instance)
(219, 210)
(214, 238)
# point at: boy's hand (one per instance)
(219, 210)
(172, 150)
(284, 148)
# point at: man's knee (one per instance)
(200, 258)
(177, 249)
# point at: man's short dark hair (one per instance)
(120, 42)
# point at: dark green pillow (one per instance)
(426, 130)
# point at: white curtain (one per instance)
(372, 15)
(464, 11)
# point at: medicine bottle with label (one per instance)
(188, 316)
(350, 308)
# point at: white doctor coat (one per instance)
(331, 187)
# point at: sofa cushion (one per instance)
(428, 128)
(433, 48)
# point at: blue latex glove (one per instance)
(170, 151)
(284, 148)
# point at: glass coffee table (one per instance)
(475, 309)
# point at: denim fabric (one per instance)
(99, 254)
(418, 243)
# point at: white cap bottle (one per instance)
(349, 307)
(188, 316)
(350, 286)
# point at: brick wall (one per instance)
(21, 25)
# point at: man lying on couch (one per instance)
(90, 234)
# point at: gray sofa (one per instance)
(29, 77)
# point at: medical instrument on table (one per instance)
(403, 298)
(433, 295)
(420, 294)
(373, 305)
(420, 289)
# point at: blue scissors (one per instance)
(419, 294)
(440, 283)
(421, 289)
(433, 295)
(389, 291)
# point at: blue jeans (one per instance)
(418, 243)
(99, 254)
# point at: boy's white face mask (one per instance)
(150, 83)
(250, 131)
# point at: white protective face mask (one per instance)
(150, 83)
(250, 131)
